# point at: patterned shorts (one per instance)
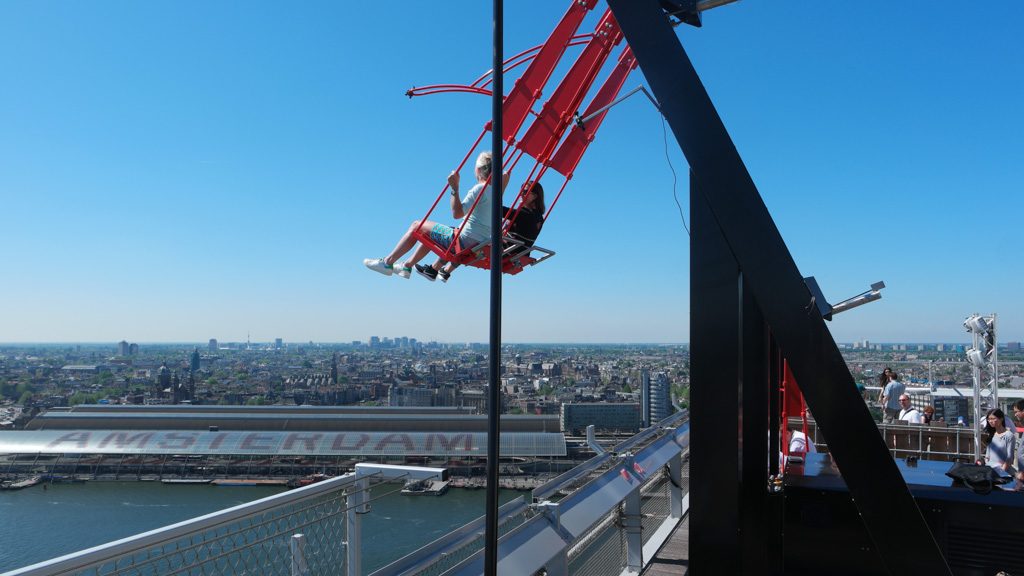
(442, 235)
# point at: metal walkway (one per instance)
(674, 557)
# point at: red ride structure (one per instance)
(545, 140)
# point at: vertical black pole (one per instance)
(494, 354)
(715, 373)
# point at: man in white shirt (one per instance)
(908, 412)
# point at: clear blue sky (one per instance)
(192, 170)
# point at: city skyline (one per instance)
(174, 170)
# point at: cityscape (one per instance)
(406, 372)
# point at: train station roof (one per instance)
(359, 444)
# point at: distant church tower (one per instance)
(163, 380)
(195, 359)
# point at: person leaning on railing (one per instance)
(1002, 442)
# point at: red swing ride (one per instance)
(546, 127)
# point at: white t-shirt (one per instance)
(912, 415)
(478, 224)
(799, 443)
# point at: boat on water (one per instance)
(245, 482)
(313, 479)
(428, 487)
(186, 480)
(64, 479)
(11, 485)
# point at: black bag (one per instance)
(978, 477)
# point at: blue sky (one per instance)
(193, 170)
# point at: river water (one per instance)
(38, 524)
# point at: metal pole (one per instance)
(976, 376)
(298, 548)
(494, 355)
(995, 363)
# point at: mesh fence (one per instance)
(259, 544)
(655, 505)
(443, 562)
(602, 549)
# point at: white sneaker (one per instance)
(378, 265)
(401, 270)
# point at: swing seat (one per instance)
(547, 127)
(515, 255)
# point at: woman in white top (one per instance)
(477, 229)
(1002, 442)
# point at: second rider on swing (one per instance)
(525, 227)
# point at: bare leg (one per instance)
(418, 255)
(407, 241)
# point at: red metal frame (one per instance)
(792, 403)
(568, 155)
(549, 126)
(557, 113)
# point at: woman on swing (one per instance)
(525, 227)
(476, 230)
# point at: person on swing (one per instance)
(525, 228)
(476, 230)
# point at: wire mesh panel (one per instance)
(655, 506)
(602, 550)
(451, 558)
(257, 544)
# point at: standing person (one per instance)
(525, 228)
(1018, 412)
(907, 412)
(1002, 442)
(476, 230)
(889, 397)
(883, 378)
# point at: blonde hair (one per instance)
(483, 164)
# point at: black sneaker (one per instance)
(444, 275)
(429, 273)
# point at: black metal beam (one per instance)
(755, 363)
(714, 384)
(886, 505)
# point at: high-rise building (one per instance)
(374, 341)
(278, 343)
(133, 349)
(213, 344)
(656, 398)
(194, 360)
(122, 348)
(1013, 346)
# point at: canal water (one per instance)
(38, 524)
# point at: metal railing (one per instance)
(926, 442)
(253, 538)
(607, 516)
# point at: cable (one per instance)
(675, 177)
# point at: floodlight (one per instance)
(976, 357)
(976, 324)
(858, 300)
